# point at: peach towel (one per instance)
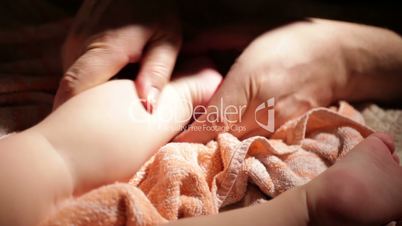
(186, 180)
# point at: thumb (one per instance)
(157, 66)
(105, 56)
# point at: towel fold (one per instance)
(186, 180)
(201, 179)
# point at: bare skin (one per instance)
(74, 149)
(364, 188)
(107, 35)
(303, 65)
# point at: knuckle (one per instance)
(69, 83)
(255, 79)
(104, 37)
(106, 44)
(158, 75)
(100, 47)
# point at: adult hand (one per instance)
(299, 65)
(108, 34)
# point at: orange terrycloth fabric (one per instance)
(186, 180)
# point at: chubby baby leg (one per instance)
(98, 137)
(105, 134)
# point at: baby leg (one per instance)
(98, 137)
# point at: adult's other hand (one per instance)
(107, 35)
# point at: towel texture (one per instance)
(185, 180)
(181, 179)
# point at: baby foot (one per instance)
(364, 188)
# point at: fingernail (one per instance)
(153, 95)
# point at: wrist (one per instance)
(372, 62)
(337, 66)
(292, 206)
